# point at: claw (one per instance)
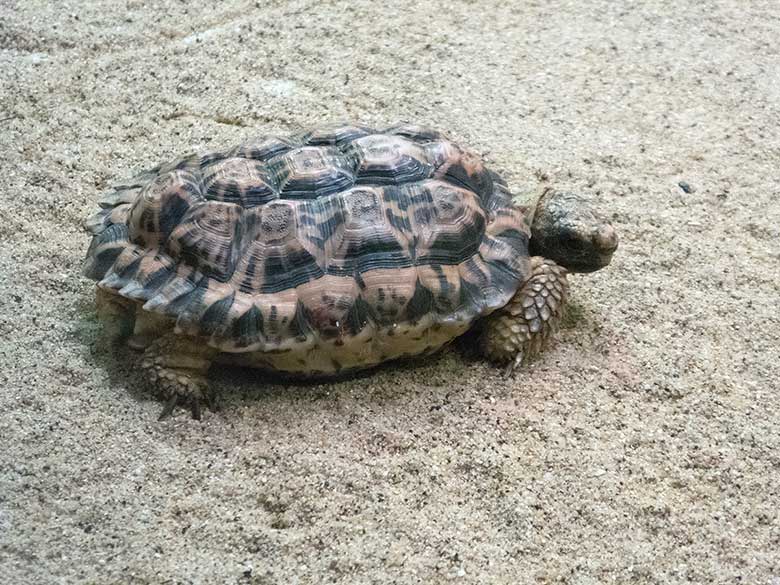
(514, 365)
(509, 370)
(169, 406)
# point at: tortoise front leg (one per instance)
(521, 329)
(176, 366)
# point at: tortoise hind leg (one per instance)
(518, 331)
(115, 312)
(148, 327)
(176, 366)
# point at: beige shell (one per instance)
(338, 248)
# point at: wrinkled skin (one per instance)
(565, 228)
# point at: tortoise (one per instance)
(330, 251)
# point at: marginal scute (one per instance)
(281, 317)
(104, 249)
(334, 135)
(122, 195)
(160, 206)
(213, 320)
(177, 293)
(326, 306)
(415, 132)
(460, 167)
(127, 191)
(191, 162)
(151, 272)
(248, 328)
(420, 304)
(123, 268)
(262, 148)
(104, 218)
(198, 310)
(388, 293)
(443, 281)
(499, 200)
(338, 236)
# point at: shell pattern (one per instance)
(338, 234)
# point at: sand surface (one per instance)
(643, 447)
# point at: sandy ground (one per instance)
(644, 447)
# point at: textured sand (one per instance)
(644, 447)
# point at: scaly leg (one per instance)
(176, 365)
(518, 331)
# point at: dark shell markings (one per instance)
(334, 236)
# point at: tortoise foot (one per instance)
(519, 331)
(176, 367)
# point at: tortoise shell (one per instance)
(337, 236)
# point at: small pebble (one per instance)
(686, 187)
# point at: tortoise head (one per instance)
(566, 229)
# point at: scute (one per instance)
(160, 206)
(275, 222)
(460, 167)
(209, 237)
(381, 159)
(450, 227)
(239, 180)
(262, 148)
(364, 240)
(148, 271)
(415, 132)
(274, 258)
(104, 249)
(386, 242)
(310, 172)
(334, 135)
